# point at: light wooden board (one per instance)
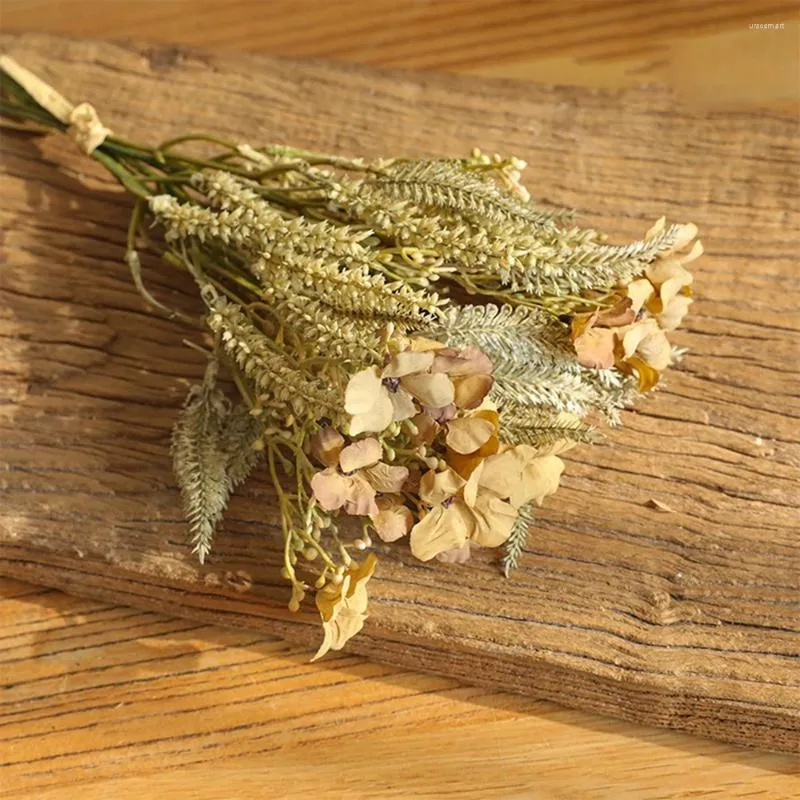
(99, 702)
(687, 619)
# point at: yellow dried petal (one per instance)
(468, 434)
(419, 344)
(440, 530)
(494, 520)
(436, 487)
(470, 391)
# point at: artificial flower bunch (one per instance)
(411, 343)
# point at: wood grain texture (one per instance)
(99, 701)
(687, 619)
(704, 49)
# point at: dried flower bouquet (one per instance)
(414, 342)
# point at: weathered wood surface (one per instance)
(98, 702)
(703, 49)
(687, 619)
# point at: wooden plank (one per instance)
(100, 701)
(687, 619)
(704, 49)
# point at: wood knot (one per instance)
(239, 581)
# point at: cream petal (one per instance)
(377, 418)
(393, 520)
(639, 292)
(494, 520)
(408, 363)
(434, 390)
(363, 453)
(634, 335)
(436, 487)
(440, 530)
(655, 350)
(330, 488)
(540, 478)
(385, 477)
(471, 391)
(402, 405)
(673, 314)
(686, 232)
(361, 391)
(339, 630)
(468, 434)
(657, 228)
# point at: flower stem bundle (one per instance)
(414, 342)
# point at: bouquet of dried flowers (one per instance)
(414, 342)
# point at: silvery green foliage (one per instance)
(211, 451)
(516, 542)
(534, 363)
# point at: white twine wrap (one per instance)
(84, 125)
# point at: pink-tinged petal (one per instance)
(434, 390)
(436, 487)
(460, 363)
(427, 428)
(440, 530)
(385, 477)
(458, 555)
(376, 419)
(325, 446)
(468, 434)
(472, 390)
(330, 488)
(402, 405)
(362, 389)
(393, 520)
(408, 363)
(363, 453)
(441, 415)
(622, 313)
(360, 499)
(595, 348)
